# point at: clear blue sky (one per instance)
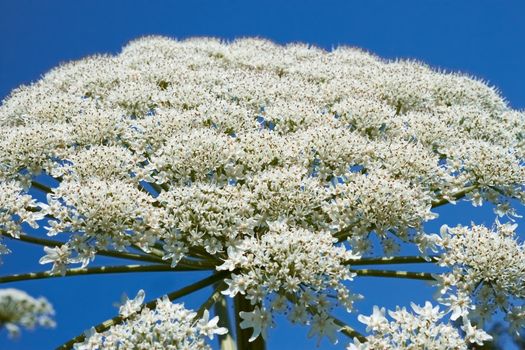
(483, 38)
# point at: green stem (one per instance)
(183, 263)
(243, 335)
(390, 260)
(455, 196)
(213, 298)
(41, 187)
(52, 243)
(395, 274)
(92, 271)
(104, 326)
(347, 330)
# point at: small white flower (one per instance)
(237, 284)
(59, 257)
(298, 314)
(427, 312)
(209, 327)
(258, 319)
(235, 258)
(516, 319)
(375, 321)
(459, 305)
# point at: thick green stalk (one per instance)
(40, 187)
(395, 274)
(458, 195)
(183, 263)
(212, 299)
(391, 260)
(243, 304)
(92, 271)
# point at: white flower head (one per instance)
(276, 163)
(157, 328)
(473, 334)
(18, 309)
(424, 328)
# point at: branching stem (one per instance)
(391, 260)
(213, 298)
(92, 271)
(395, 274)
(52, 243)
(347, 330)
(458, 195)
(183, 263)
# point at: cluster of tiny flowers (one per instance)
(487, 272)
(421, 329)
(18, 309)
(168, 326)
(107, 210)
(16, 208)
(367, 139)
(366, 202)
(198, 147)
(289, 271)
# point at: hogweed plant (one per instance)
(275, 168)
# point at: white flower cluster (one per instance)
(16, 208)
(378, 201)
(421, 329)
(18, 309)
(487, 272)
(166, 327)
(337, 140)
(289, 264)
(196, 148)
(110, 211)
(215, 217)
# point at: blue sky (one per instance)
(480, 37)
